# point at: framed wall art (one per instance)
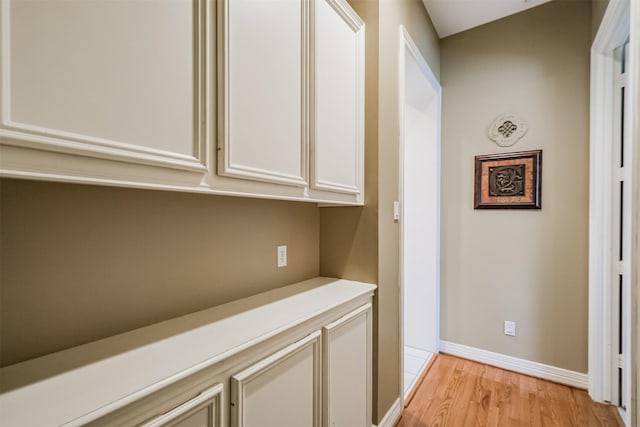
(508, 180)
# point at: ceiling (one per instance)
(453, 16)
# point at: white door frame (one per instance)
(407, 45)
(634, 86)
(613, 31)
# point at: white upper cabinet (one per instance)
(292, 105)
(337, 84)
(258, 98)
(263, 125)
(102, 79)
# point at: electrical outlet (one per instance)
(282, 256)
(510, 328)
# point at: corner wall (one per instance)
(529, 266)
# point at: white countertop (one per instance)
(72, 386)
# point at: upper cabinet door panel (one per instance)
(262, 113)
(338, 90)
(110, 79)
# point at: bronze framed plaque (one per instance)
(509, 181)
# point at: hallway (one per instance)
(457, 392)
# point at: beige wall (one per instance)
(79, 263)
(363, 243)
(529, 266)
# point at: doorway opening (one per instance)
(420, 99)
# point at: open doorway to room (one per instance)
(419, 215)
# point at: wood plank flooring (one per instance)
(459, 393)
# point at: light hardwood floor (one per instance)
(458, 393)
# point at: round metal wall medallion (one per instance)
(507, 129)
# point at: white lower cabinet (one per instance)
(281, 390)
(201, 411)
(284, 389)
(347, 370)
(296, 356)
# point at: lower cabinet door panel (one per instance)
(201, 411)
(347, 347)
(282, 390)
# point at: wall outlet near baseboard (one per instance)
(510, 328)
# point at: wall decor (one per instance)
(508, 180)
(507, 129)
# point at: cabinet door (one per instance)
(347, 348)
(201, 411)
(263, 57)
(337, 85)
(102, 79)
(281, 390)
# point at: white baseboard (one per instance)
(535, 369)
(392, 415)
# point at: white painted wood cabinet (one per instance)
(347, 367)
(337, 87)
(201, 411)
(102, 91)
(281, 390)
(306, 101)
(295, 356)
(263, 123)
(237, 97)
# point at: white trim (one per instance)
(622, 413)
(522, 366)
(408, 45)
(634, 85)
(207, 398)
(392, 416)
(612, 33)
